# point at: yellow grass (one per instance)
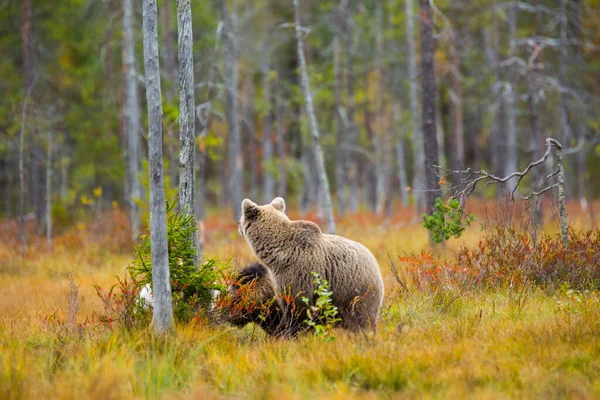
(482, 344)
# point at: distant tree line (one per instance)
(396, 87)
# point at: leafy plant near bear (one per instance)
(322, 315)
(447, 221)
(191, 286)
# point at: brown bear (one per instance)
(253, 297)
(292, 250)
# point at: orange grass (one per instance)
(482, 344)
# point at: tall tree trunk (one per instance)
(320, 163)
(28, 84)
(511, 106)
(49, 192)
(583, 175)
(456, 97)
(187, 118)
(341, 145)
(369, 179)
(267, 139)
(537, 137)
(36, 170)
(249, 129)
(162, 318)
(429, 120)
(536, 143)
(380, 133)
(399, 132)
(498, 150)
(418, 145)
(236, 161)
(282, 181)
(352, 158)
(132, 120)
(440, 132)
(400, 155)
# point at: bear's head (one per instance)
(269, 216)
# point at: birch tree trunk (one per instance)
(132, 120)
(236, 161)
(400, 155)
(36, 176)
(341, 150)
(187, 119)
(352, 158)
(281, 155)
(498, 140)
(267, 140)
(22, 183)
(429, 120)
(162, 318)
(397, 127)
(440, 134)
(314, 129)
(380, 133)
(419, 160)
(456, 97)
(511, 137)
(535, 127)
(249, 132)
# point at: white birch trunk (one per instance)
(380, 132)
(400, 156)
(282, 181)
(341, 151)
(162, 319)
(314, 129)
(511, 137)
(352, 155)
(132, 120)
(187, 118)
(419, 158)
(267, 141)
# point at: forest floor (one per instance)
(475, 343)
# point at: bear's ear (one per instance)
(279, 204)
(247, 204)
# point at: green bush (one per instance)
(191, 285)
(446, 221)
(322, 315)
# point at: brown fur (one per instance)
(294, 249)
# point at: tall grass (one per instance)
(444, 342)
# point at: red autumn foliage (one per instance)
(507, 256)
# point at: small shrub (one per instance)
(121, 305)
(447, 221)
(507, 257)
(192, 286)
(322, 315)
